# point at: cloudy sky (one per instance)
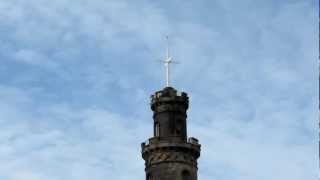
(76, 76)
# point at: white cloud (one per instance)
(97, 144)
(250, 76)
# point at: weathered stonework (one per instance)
(170, 155)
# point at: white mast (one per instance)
(167, 63)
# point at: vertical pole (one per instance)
(167, 47)
(168, 73)
(167, 63)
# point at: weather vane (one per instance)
(167, 61)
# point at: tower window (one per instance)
(178, 127)
(157, 129)
(186, 175)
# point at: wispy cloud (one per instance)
(75, 80)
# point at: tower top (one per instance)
(169, 95)
(167, 61)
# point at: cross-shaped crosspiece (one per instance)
(167, 62)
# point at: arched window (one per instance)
(186, 175)
(157, 129)
(178, 127)
(178, 132)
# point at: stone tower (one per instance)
(170, 154)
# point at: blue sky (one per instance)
(76, 76)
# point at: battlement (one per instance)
(169, 96)
(168, 92)
(154, 145)
(156, 140)
(193, 140)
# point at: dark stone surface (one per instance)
(169, 155)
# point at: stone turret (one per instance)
(170, 154)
